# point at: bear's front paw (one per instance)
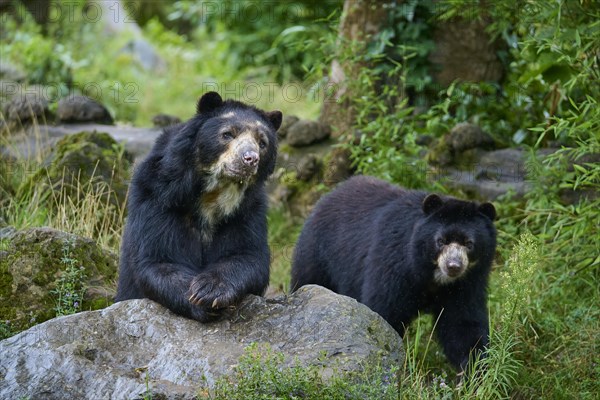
(209, 289)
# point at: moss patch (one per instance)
(32, 266)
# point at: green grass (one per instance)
(283, 233)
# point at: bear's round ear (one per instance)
(488, 210)
(208, 102)
(275, 118)
(431, 203)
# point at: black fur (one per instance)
(377, 243)
(167, 255)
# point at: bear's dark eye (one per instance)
(440, 242)
(262, 143)
(469, 244)
(227, 135)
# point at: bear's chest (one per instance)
(219, 204)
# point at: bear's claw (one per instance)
(208, 288)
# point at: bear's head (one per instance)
(235, 142)
(457, 236)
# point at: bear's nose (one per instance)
(454, 267)
(250, 158)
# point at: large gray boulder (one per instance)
(138, 348)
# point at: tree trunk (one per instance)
(464, 51)
(361, 20)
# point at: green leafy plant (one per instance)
(71, 285)
(262, 374)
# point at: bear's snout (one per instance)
(452, 262)
(250, 158)
(241, 158)
(454, 267)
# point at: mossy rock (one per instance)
(85, 157)
(32, 265)
(80, 167)
(461, 146)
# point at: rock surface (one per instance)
(26, 107)
(33, 260)
(308, 166)
(460, 146)
(288, 120)
(465, 136)
(305, 133)
(137, 141)
(164, 120)
(493, 174)
(338, 166)
(82, 109)
(138, 348)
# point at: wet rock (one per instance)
(138, 348)
(73, 109)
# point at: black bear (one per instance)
(400, 252)
(195, 239)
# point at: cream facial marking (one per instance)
(228, 179)
(257, 125)
(452, 262)
(229, 114)
(231, 162)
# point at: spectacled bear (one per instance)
(195, 239)
(401, 252)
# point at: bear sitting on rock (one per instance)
(402, 252)
(196, 234)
